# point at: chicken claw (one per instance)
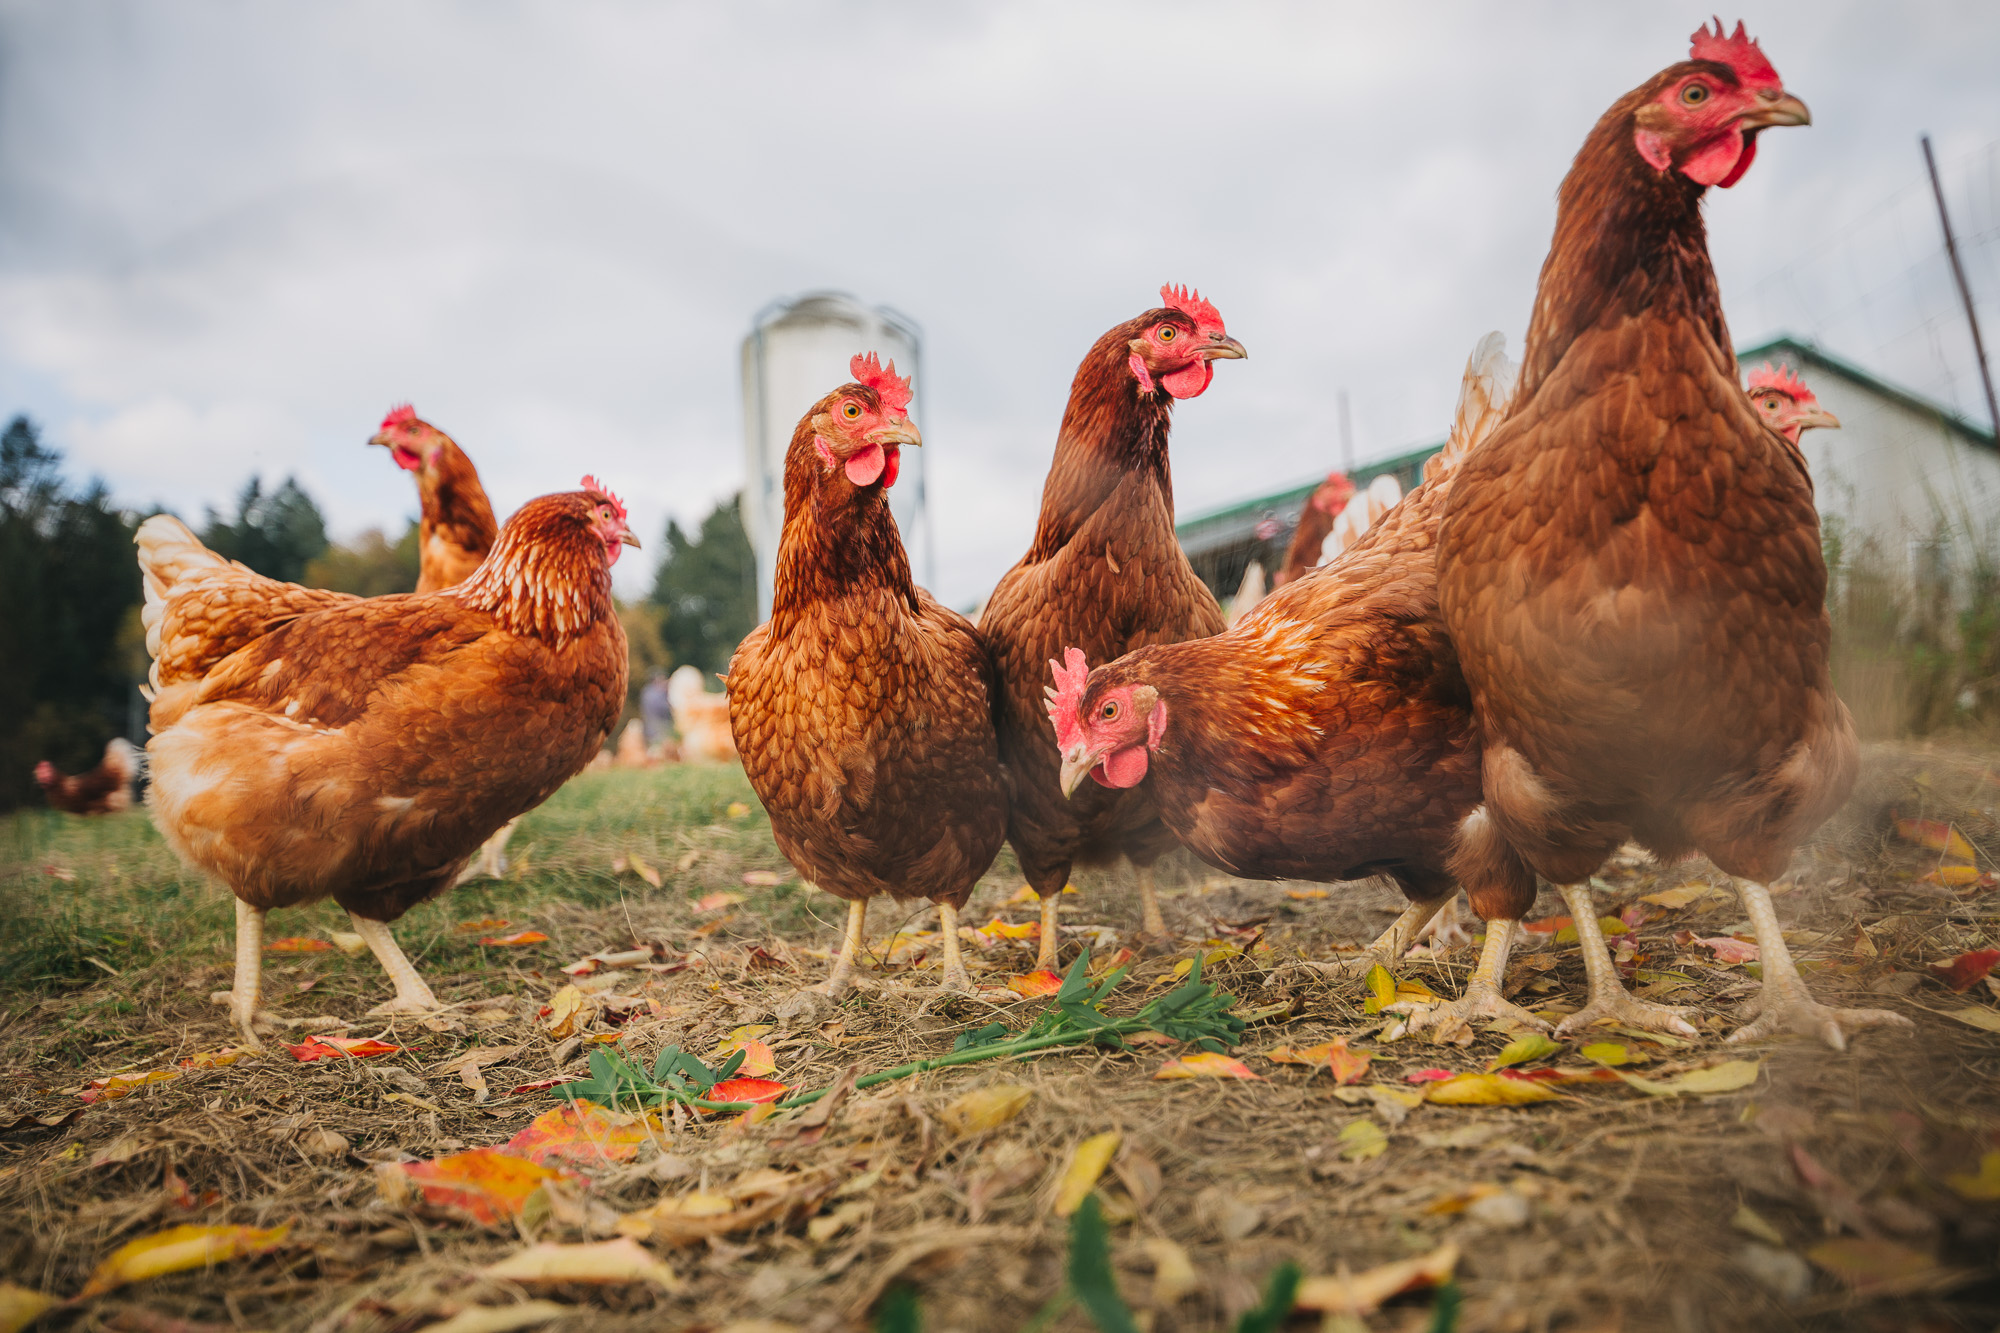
(1784, 1004)
(1608, 997)
(812, 1005)
(1153, 924)
(412, 995)
(1482, 998)
(1388, 948)
(956, 978)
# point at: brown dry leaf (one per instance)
(1004, 1168)
(20, 1307)
(1086, 1164)
(691, 1218)
(569, 1010)
(178, 1249)
(501, 1318)
(987, 1108)
(1365, 1292)
(825, 1227)
(645, 871)
(1977, 1015)
(611, 1261)
(812, 1123)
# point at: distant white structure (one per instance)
(796, 353)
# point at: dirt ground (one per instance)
(1834, 1191)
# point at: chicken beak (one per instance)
(1819, 417)
(1223, 349)
(897, 432)
(1077, 761)
(627, 537)
(1776, 109)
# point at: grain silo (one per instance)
(798, 351)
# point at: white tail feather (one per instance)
(168, 553)
(1484, 397)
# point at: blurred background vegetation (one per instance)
(73, 653)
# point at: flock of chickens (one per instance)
(1600, 618)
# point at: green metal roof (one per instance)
(1296, 495)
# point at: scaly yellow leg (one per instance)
(1045, 953)
(842, 976)
(955, 975)
(1784, 1004)
(1608, 996)
(412, 995)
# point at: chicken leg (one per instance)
(1784, 1004)
(1153, 925)
(1608, 996)
(955, 975)
(1045, 949)
(1482, 998)
(1389, 946)
(242, 995)
(412, 995)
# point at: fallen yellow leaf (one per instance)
(611, 1261)
(178, 1249)
(1673, 899)
(1204, 1064)
(20, 1307)
(499, 1318)
(1362, 1140)
(1977, 1015)
(1612, 1053)
(1347, 1066)
(564, 1009)
(1937, 835)
(1879, 1266)
(1982, 1187)
(985, 1108)
(1486, 1090)
(1300, 1055)
(1526, 1047)
(1730, 1076)
(645, 871)
(1173, 1272)
(1086, 1164)
(1305, 895)
(1365, 1292)
(736, 810)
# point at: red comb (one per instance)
(891, 388)
(1189, 303)
(1736, 50)
(1066, 699)
(597, 487)
(1783, 379)
(405, 415)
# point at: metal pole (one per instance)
(1964, 292)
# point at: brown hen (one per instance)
(456, 528)
(1105, 575)
(863, 710)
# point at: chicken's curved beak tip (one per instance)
(1822, 420)
(1225, 349)
(627, 538)
(1076, 763)
(897, 432)
(1772, 112)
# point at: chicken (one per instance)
(456, 529)
(862, 709)
(1322, 507)
(104, 790)
(1631, 565)
(1327, 736)
(309, 744)
(703, 718)
(1786, 404)
(1106, 575)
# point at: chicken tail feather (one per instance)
(1484, 398)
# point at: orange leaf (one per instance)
(581, 1134)
(1966, 971)
(758, 1058)
(123, 1085)
(1487, 1090)
(228, 1055)
(1304, 895)
(1347, 1066)
(1300, 1055)
(339, 1048)
(489, 1185)
(1729, 949)
(1000, 930)
(1204, 1064)
(1035, 983)
(715, 902)
(747, 1090)
(518, 937)
(763, 879)
(1547, 925)
(1937, 835)
(298, 944)
(1961, 877)
(483, 923)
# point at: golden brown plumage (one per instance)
(863, 709)
(1105, 574)
(312, 745)
(1631, 566)
(1328, 735)
(456, 527)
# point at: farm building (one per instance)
(1906, 486)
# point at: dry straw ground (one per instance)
(1834, 1191)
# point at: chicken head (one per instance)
(863, 432)
(1784, 401)
(1704, 122)
(1179, 348)
(1107, 732)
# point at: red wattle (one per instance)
(864, 467)
(1742, 163)
(1125, 768)
(894, 469)
(1721, 161)
(1189, 380)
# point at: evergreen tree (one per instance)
(707, 585)
(277, 535)
(69, 579)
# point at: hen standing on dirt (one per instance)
(456, 529)
(1106, 575)
(309, 744)
(1631, 567)
(1328, 735)
(862, 709)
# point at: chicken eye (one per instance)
(851, 411)
(1110, 710)
(1168, 332)
(1694, 94)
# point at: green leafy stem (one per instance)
(1194, 1012)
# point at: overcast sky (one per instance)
(233, 235)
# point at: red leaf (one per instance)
(518, 937)
(1729, 949)
(1967, 970)
(339, 1048)
(1548, 925)
(1428, 1076)
(537, 1087)
(489, 1185)
(1035, 983)
(747, 1090)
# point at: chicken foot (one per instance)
(1389, 947)
(243, 993)
(1045, 947)
(412, 995)
(1153, 924)
(1482, 998)
(1784, 1004)
(1608, 997)
(812, 1003)
(955, 976)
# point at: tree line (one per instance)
(73, 652)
